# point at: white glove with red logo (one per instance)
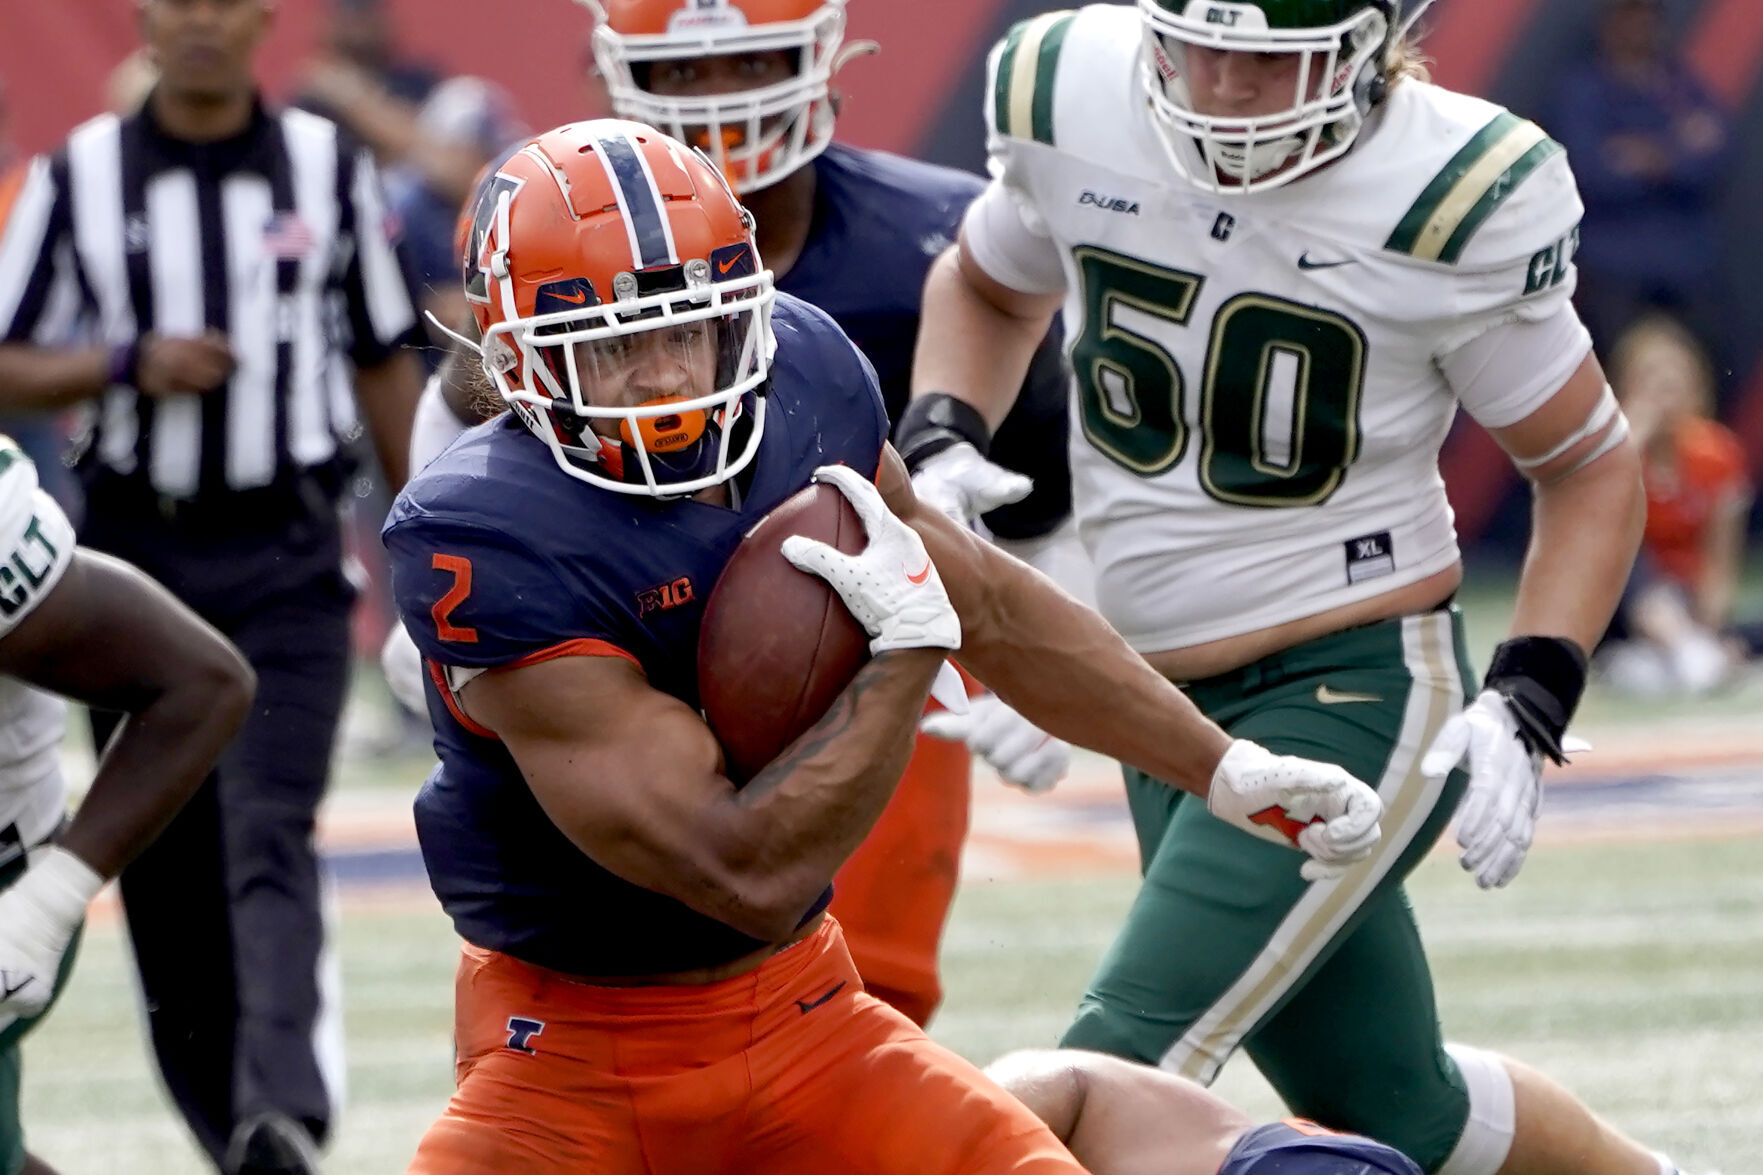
(1316, 807)
(891, 587)
(1022, 754)
(964, 485)
(38, 916)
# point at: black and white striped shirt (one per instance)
(276, 237)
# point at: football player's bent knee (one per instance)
(1424, 1122)
(1493, 1114)
(1296, 1147)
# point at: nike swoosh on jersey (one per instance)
(1329, 696)
(921, 576)
(808, 1006)
(1304, 262)
(11, 989)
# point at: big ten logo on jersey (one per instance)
(1549, 266)
(669, 595)
(29, 566)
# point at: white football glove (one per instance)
(964, 485)
(1023, 754)
(1499, 813)
(401, 662)
(891, 587)
(38, 916)
(1317, 807)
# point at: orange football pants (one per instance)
(790, 1069)
(892, 896)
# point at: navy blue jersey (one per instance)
(879, 222)
(1296, 1147)
(500, 558)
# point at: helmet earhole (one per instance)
(1371, 86)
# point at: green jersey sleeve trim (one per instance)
(1477, 180)
(10, 453)
(1022, 90)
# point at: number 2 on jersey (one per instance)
(442, 612)
(1279, 397)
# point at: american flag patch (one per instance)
(286, 237)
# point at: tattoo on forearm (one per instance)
(838, 719)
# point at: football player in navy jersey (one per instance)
(853, 232)
(650, 981)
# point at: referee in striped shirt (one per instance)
(214, 279)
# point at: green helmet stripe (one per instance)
(1022, 91)
(1477, 180)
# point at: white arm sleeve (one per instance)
(1001, 240)
(434, 427)
(1508, 371)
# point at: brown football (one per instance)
(777, 644)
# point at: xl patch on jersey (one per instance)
(1369, 557)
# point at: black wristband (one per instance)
(937, 421)
(125, 362)
(1541, 678)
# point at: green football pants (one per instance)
(12, 1152)
(1326, 985)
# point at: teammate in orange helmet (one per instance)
(751, 82)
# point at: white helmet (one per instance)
(1344, 57)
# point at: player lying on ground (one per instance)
(95, 629)
(1121, 1118)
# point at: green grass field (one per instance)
(1631, 970)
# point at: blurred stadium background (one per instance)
(1628, 961)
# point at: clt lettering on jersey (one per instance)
(1551, 264)
(36, 539)
(28, 569)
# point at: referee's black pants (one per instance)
(224, 909)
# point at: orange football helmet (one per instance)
(757, 136)
(625, 316)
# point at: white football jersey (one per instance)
(1257, 400)
(36, 545)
